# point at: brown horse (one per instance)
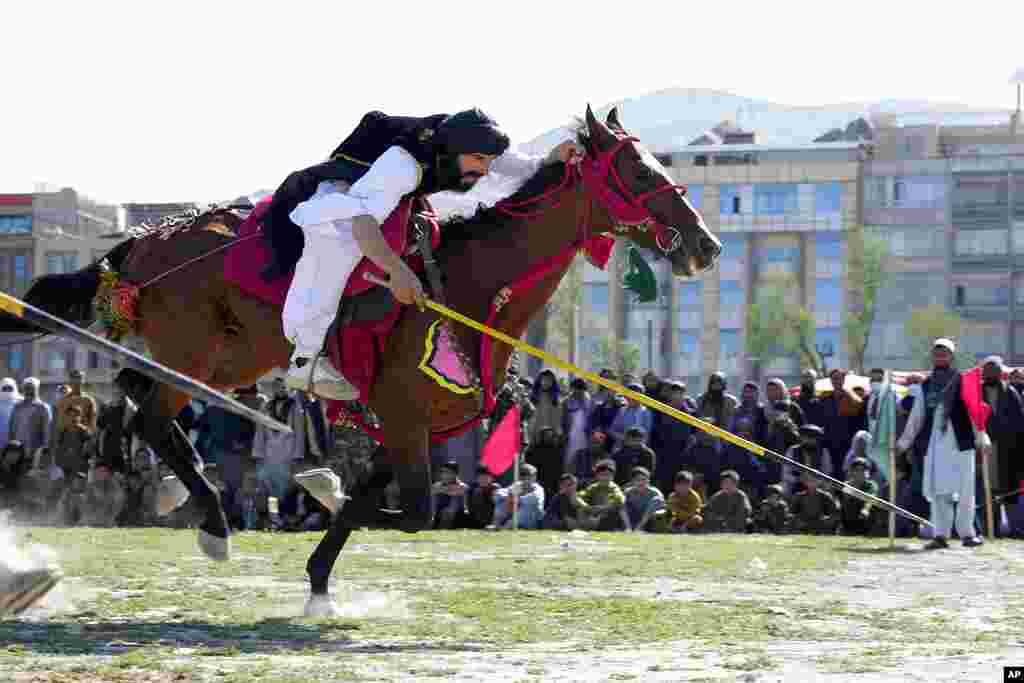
(198, 323)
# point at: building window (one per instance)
(58, 262)
(664, 159)
(829, 340)
(730, 350)
(828, 295)
(980, 243)
(729, 200)
(734, 255)
(16, 358)
(979, 190)
(695, 193)
(827, 198)
(700, 160)
(775, 199)
(690, 295)
(15, 225)
(927, 241)
(731, 294)
(595, 297)
(906, 191)
(15, 271)
(982, 292)
(959, 296)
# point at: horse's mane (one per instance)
(487, 221)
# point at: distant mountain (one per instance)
(672, 118)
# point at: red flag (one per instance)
(503, 444)
(970, 392)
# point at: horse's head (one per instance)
(646, 205)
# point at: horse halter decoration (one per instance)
(625, 207)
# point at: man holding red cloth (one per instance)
(958, 417)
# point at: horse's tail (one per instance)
(69, 295)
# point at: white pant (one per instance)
(328, 259)
(942, 514)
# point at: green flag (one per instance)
(639, 277)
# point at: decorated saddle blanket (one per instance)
(370, 311)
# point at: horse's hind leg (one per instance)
(365, 495)
(158, 408)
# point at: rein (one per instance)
(626, 208)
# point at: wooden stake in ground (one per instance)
(985, 460)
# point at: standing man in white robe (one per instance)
(949, 465)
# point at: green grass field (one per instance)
(142, 605)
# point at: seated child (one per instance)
(604, 500)
(683, 509)
(858, 516)
(565, 511)
(773, 513)
(729, 510)
(814, 511)
(642, 501)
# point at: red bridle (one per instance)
(625, 207)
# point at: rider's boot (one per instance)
(314, 373)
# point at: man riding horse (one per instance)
(324, 219)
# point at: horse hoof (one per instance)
(214, 547)
(170, 495)
(325, 486)
(22, 590)
(322, 606)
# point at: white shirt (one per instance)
(393, 175)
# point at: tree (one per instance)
(767, 327)
(621, 356)
(867, 266)
(778, 326)
(562, 313)
(928, 323)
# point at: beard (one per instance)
(451, 178)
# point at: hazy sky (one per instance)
(183, 100)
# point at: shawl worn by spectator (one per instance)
(546, 398)
(808, 400)
(586, 459)
(634, 453)
(810, 452)
(715, 405)
(545, 454)
(752, 410)
(670, 437)
(114, 434)
(843, 416)
(862, 448)
(604, 407)
(777, 400)
(634, 414)
(575, 422)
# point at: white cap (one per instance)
(945, 343)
